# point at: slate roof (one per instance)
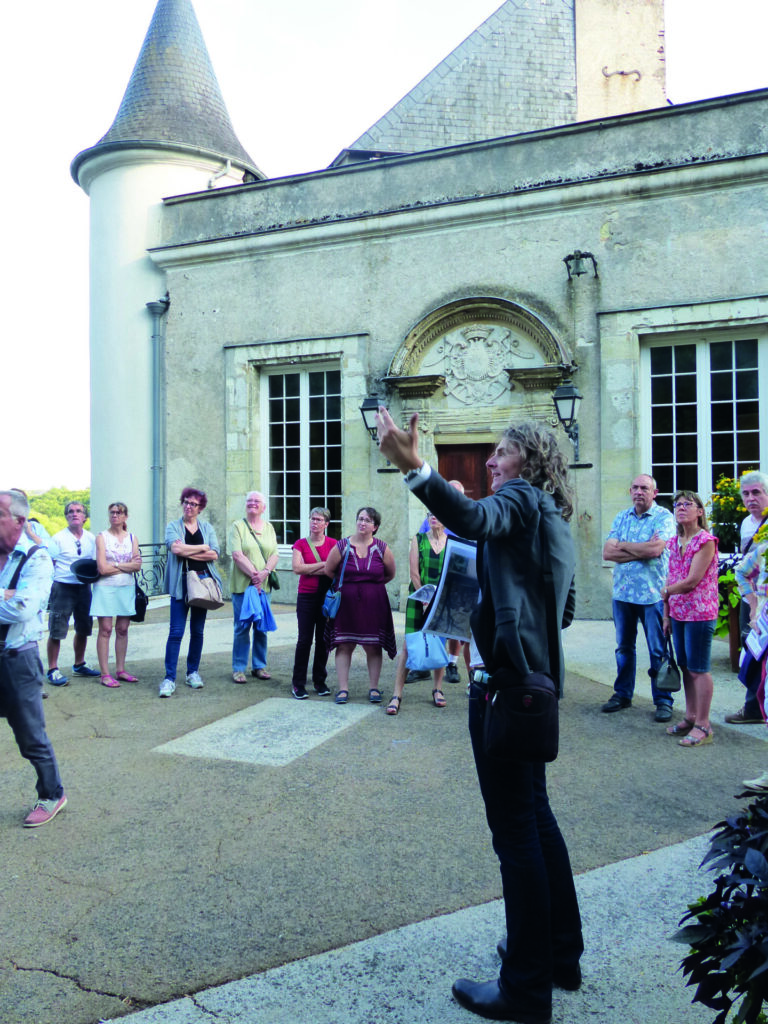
(173, 98)
(515, 73)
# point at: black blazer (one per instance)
(510, 623)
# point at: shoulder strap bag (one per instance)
(332, 599)
(273, 578)
(521, 715)
(13, 583)
(751, 540)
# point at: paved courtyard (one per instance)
(232, 854)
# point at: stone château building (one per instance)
(427, 267)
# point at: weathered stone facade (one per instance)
(449, 265)
(434, 280)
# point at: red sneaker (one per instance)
(44, 811)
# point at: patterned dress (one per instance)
(430, 567)
(364, 615)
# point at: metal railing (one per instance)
(152, 575)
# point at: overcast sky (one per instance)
(301, 81)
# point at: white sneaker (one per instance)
(759, 785)
(167, 688)
(194, 680)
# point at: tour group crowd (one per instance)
(665, 578)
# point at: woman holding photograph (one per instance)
(425, 563)
(752, 578)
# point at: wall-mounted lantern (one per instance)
(567, 399)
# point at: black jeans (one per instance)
(540, 904)
(21, 702)
(311, 622)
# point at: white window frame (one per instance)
(702, 339)
(282, 370)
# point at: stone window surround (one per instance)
(624, 412)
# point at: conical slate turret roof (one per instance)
(173, 99)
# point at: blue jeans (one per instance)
(179, 610)
(626, 617)
(540, 903)
(693, 644)
(21, 702)
(241, 643)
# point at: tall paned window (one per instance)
(704, 413)
(303, 428)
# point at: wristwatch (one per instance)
(414, 475)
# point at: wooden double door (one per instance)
(466, 462)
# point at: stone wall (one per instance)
(265, 276)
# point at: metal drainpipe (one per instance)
(157, 309)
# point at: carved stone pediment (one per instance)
(474, 349)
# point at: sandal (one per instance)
(341, 697)
(126, 677)
(693, 741)
(374, 695)
(681, 729)
(109, 681)
(239, 677)
(392, 708)
(438, 701)
(260, 673)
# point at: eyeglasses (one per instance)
(684, 505)
(364, 519)
(116, 512)
(317, 519)
(79, 547)
(76, 512)
(192, 504)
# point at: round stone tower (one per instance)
(172, 135)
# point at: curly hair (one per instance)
(542, 463)
(694, 497)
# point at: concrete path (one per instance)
(334, 860)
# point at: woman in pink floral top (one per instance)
(690, 613)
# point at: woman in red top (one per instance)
(690, 613)
(309, 555)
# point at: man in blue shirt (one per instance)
(637, 544)
(22, 602)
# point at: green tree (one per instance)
(48, 507)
